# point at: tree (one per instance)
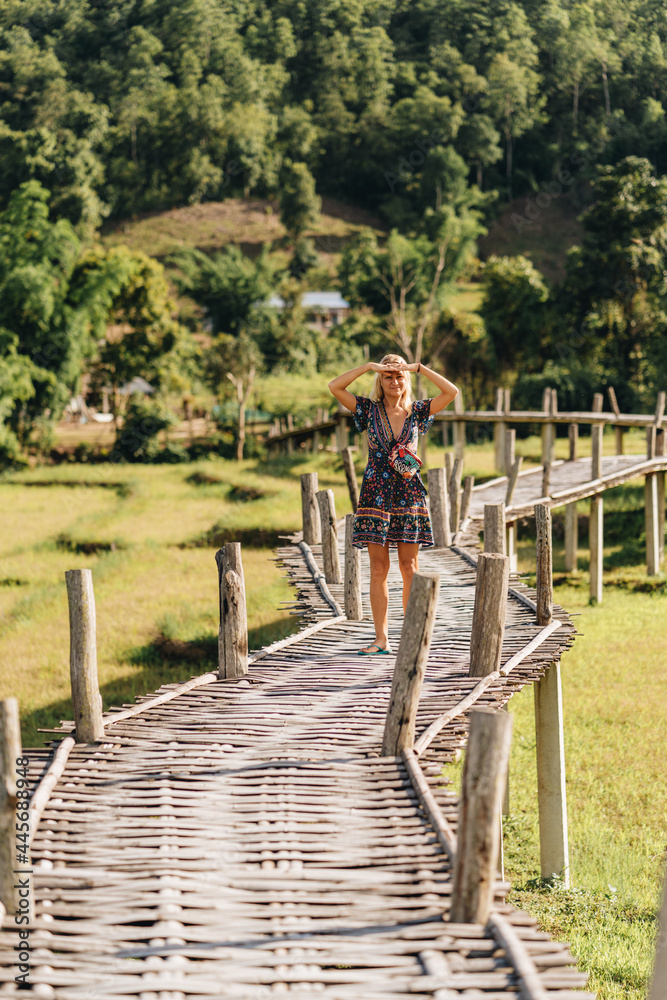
(514, 311)
(239, 360)
(299, 204)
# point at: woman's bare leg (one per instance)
(379, 557)
(408, 563)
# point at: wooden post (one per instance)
(573, 437)
(484, 773)
(618, 439)
(596, 541)
(411, 659)
(597, 430)
(233, 632)
(544, 581)
(455, 496)
(449, 466)
(10, 751)
(312, 531)
(618, 431)
(494, 527)
(660, 477)
(488, 617)
(652, 524)
(512, 480)
(499, 433)
(546, 480)
(571, 537)
(468, 484)
(351, 476)
(439, 508)
(330, 557)
(548, 429)
(551, 795)
(342, 433)
(510, 449)
(650, 441)
(659, 983)
(459, 429)
(510, 546)
(353, 603)
(86, 697)
(659, 408)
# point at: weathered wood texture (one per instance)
(573, 440)
(484, 774)
(488, 620)
(494, 528)
(512, 479)
(330, 558)
(510, 451)
(455, 495)
(551, 791)
(544, 567)
(468, 484)
(353, 600)
(10, 751)
(351, 477)
(86, 698)
(597, 432)
(571, 537)
(652, 524)
(438, 498)
(596, 545)
(411, 659)
(312, 531)
(233, 630)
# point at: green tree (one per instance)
(514, 311)
(299, 203)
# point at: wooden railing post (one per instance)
(548, 429)
(513, 476)
(233, 633)
(544, 559)
(652, 522)
(596, 543)
(411, 659)
(650, 441)
(351, 477)
(571, 537)
(312, 531)
(439, 508)
(86, 697)
(468, 484)
(489, 612)
(510, 451)
(597, 431)
(341, 429)
(459, 429)
(499, 433)
(573, 438)
(484, 774)
(330, 557)
(455, 496)
(353, 602)
(510, 545)
(660, 477)
(494, 527)
(10, 751)
(546, 480)
(551, 795)
(618, 431)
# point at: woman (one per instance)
(392, 511)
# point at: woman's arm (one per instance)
(338, 385)
(447, 389)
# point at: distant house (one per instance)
(325, 308)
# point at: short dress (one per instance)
(390, 509)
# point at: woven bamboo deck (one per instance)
(245, 838)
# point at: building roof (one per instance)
(314, 300)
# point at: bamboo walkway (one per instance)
(246, 839)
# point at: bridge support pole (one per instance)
(455, 495)
(596, 543)
(438, 498)
(468, 484)
(399, 730)
(512, 477)
(351, 477)
(330, 557)
(86, 698)
(341, 430)
(573, 439)
(652, 524)
(10, 751)
(353, 603)
(494, 527)
(544, 570)
(479, 808)
(660, 476)
(551, 796)
(312, 530)
(510, 546)
(499, 429)
(233, 634)
(597, 431)
(489, 612)
(571, 537)
(459, 430)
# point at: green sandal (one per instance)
(380, 651)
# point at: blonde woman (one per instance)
(392, 510)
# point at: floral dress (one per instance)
(391, 509)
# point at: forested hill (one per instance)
(135, 105)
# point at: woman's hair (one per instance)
(377, 392)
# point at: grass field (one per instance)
(149, 534)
